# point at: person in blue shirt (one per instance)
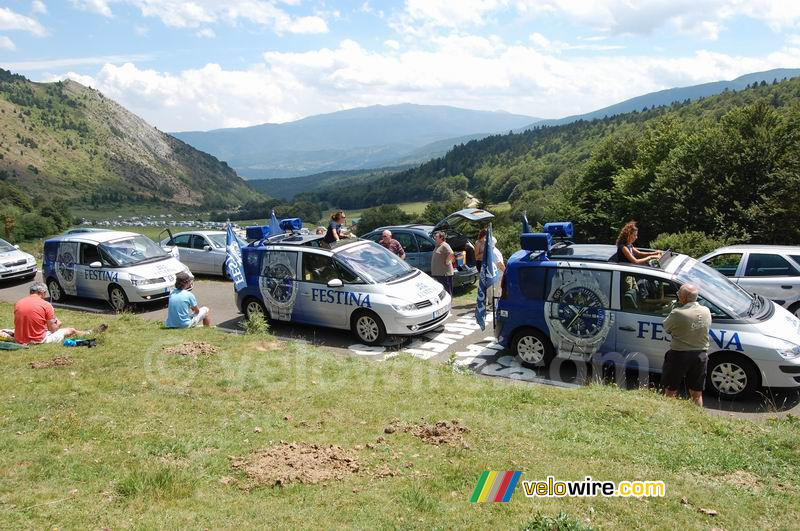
(183, 311)
(334, 232)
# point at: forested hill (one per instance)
(726, 165)
(63, 140)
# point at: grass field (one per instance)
(130, 436)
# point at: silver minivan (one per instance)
(15, 263)
(119, 267)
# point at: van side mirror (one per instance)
(206, 247)
(96, 265)
(16, 247)
(335, 283)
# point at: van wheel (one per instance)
(54, 288)
(795, 309)
(252, 307)
(368, 328)
(118, 299)
(732, 376)
(533, 348)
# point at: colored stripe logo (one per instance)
(494, 486)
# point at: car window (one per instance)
(647, 295)
(727, 263)
(198, 242)
(280, 264)
(89, 254)
(715, 310)
(425, 245)
(318, 268)
(406, 239)
(532, 281)
(5, 246)
(580, 288)
(769, 265)
(181, 240)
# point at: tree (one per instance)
(381, 216)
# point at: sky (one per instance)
(207, 64)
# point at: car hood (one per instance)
(417, 288)
(161, 268)
(782, 325)
(470, 215)
(13, 256)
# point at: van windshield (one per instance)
(133, 250)
(5, 246)
(717, 287)
(374, 263)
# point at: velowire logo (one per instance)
(494, 486)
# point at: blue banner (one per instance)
(274, 226)
(488, 275)
(233, 260)
(526, 228)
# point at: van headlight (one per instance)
(404, 307)
(789, 353)
(138, 281)
(31, 260)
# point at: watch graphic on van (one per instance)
(277, 288)
(577, 311)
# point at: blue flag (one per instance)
(274, 226)
(233, 260)
(488, 275)
(526, 229)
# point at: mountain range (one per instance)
(64, 140)
(360, 138)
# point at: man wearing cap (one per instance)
(183, 311)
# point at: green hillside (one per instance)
(726, 165)
(63, 140)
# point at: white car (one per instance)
(119, 267)
(357, 285)
(201, 251)
(769, 270)
(14, 263)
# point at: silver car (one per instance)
(202, 251)
(769, 270)
(15, 263)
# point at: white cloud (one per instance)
(7, 44)
(37, 6)
(10, 20)
(366, 8)
(460, 70)
(199, 13)
(392, 44)
(206, 33)
(543, 43)
(52, 64)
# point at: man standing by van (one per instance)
(688, 324)
(442, 262)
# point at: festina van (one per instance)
(118, 267)
(356, 285)
(575, 301)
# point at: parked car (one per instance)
(356, 285)
(119, 267)
(769, 270)
(201, 251)
(81, 230)
(15, 263)
(571, 301)
(417, 240)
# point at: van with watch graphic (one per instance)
(576, 301)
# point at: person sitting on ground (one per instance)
(392, 244)
(35, 320)
(626, 252)
(182, 311)
(334, 232)
(688, 326)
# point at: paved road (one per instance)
(459, 338)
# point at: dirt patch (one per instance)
(439, 433)
(60, 361)
(296, 463)
(743, 479)
(268, 346)
(192, 348)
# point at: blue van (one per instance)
(573, 301)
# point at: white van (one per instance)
(119, 267)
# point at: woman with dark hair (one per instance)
(480, 245)
(626, 252)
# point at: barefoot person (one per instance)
(183, 311)
(35, 320)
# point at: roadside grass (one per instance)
(130, 436)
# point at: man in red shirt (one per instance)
(392, 244)
(35, 320)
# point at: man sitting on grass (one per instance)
(183, 311)
(35, 320)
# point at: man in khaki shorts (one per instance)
(688, 324)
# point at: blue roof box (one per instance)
(536, 241)
(256, 232)
(559, 229)
(291, 224)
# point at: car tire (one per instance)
(54, 289)
(118, 299)
(731, 376)
(795, 309)
(253, 306)
(532, 348)
(368, 327)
